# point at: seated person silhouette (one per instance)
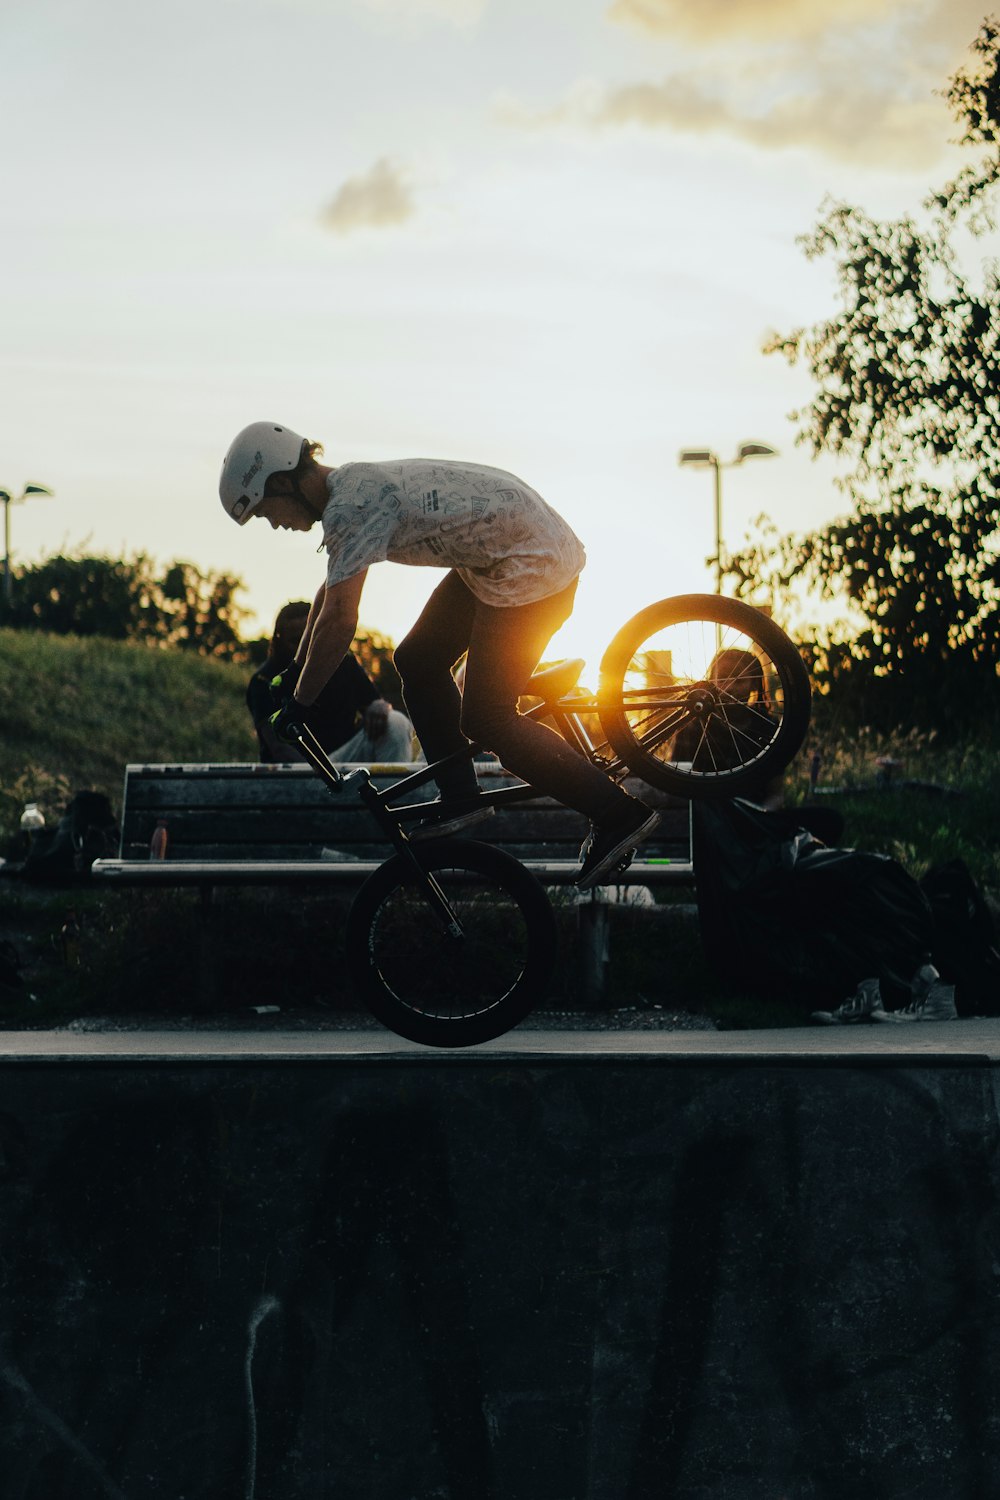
(350, 718)
(746, 722)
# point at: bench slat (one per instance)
(249, 823)
(324, 872)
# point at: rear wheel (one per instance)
(441, 989)
(704, 696)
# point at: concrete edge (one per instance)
(952, 1044)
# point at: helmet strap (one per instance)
(295, 493)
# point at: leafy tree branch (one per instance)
(907, 393)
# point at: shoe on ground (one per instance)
(610, 848)
(455, 817)
(864, 1005)
(932, 1000)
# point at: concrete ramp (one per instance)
(556, 1268)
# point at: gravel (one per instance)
(267, 1018)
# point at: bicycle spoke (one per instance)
(442, 976)
(694, 691)
(442, 989)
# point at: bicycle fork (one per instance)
(304, 739)
(426, 879)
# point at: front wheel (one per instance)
(704, 696)
(446, 990)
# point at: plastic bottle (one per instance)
(32, 823)
(32, 818)
(158, 843)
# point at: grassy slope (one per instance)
(75, 711)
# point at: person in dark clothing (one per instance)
(748, 720)
(383, 735)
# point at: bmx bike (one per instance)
(451, 942)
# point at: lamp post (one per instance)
(704, 458)
(29, 489)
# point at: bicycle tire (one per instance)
(443, 991)
(696, 730)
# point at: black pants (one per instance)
(504, 647)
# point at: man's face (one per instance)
(285, 513)
(290, 632)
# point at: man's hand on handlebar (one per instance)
(283, 685)
(291, 716)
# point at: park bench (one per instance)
(280, 825)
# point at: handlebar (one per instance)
(302, 737)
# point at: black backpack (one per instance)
(86, 831)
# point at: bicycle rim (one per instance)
(443, 990)
(704, 696)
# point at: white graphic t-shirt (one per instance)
(508, 545)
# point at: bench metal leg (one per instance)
(593, 929)
(207, 978)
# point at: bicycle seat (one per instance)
(555, 682)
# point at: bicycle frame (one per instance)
(566, 715)
(565, 712)
(664, 709)
(360, 779)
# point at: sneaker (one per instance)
(932, 1000)
(864, 1005)
(610, 849)
(455, 816)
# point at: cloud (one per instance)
(376, 200)
(711, 19)
(857, 80)
(849, 120)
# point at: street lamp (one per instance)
(29, 489)
(704, 458)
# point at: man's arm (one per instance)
(330, 629)
(307, 629)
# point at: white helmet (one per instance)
(260, 450)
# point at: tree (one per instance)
(127, 599)
(110, 597)
(201, 612)
(908, 391)
(374, 651)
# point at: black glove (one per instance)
(283, 685)
(290, 716)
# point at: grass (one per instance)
(75, 711)
(938, 802)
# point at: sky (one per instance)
(548, 235)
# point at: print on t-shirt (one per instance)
(504, 540)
